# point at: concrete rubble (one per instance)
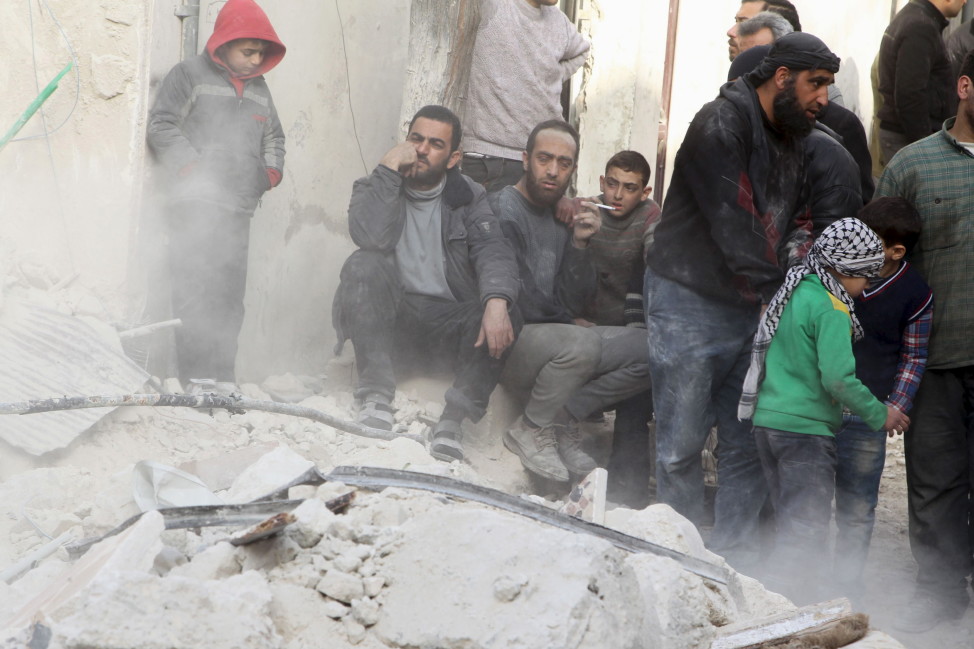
(399, 568)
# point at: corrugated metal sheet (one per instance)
(44, 354)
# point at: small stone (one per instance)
(373, 585)
(334, 610)
(341, 529)
(354, 630)
(341, 586)
(365, 611)
(347, 563)
(506, 589)
(367, 569)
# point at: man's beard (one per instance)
(789, 117)
(542, 195)
(429, 178)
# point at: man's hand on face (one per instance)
(401, 158)
(495, 328)
(586, 223)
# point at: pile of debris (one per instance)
(161, 527)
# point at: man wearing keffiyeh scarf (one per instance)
(801, 375)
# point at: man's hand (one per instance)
(582, 322)
(495, 328)
(585, 224)
(401, 158)
(897, 422)
(567, 208)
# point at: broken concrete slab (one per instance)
(579, 592)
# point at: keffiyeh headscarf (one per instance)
(847, 246)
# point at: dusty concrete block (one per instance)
(297, 615)
(346, 563)
(314, 519)
(215, 562)
(365, 611)
(581, 593)
(140, 611)
(335, 610)
(354, 630)
(373, 585)
(341, 586)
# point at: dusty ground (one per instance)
(890, 571)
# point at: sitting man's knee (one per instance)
(366, 267)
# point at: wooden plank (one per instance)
(753, 633)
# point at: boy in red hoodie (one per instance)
(215, 130)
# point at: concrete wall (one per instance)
(68, 201)
(338, 92)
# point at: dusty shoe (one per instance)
(537, 449)
(445, 441)
(376, 411)
(570, 450)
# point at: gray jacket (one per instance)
(217, 145)
(478, 263)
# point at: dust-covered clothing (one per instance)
(386, 323)
(732, 211)
(617, 254)
(221, 144)
(557, 279)
(521, 58)
(217, 135)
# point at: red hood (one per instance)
(244, 19)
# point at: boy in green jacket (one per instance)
(802, 373)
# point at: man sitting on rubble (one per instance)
(433, 276)
(553, 357)
(571, 368)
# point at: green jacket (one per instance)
(810, 372)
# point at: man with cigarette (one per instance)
(433, 280)
(570, 367)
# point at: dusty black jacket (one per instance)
(731, 215)
(477, 262)
(915, 77)
(832, 179)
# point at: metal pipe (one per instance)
(664, 117)
(189, 15)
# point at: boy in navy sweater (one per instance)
(895, 312)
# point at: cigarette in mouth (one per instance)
(603, 206)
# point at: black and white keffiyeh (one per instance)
(847, 246)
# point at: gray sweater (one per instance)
(522, 57)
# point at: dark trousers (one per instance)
(208, 247)
(392, 330)
(940, 477)
(633, 448)
(491, 172)
(699, 350)
(800, 470)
